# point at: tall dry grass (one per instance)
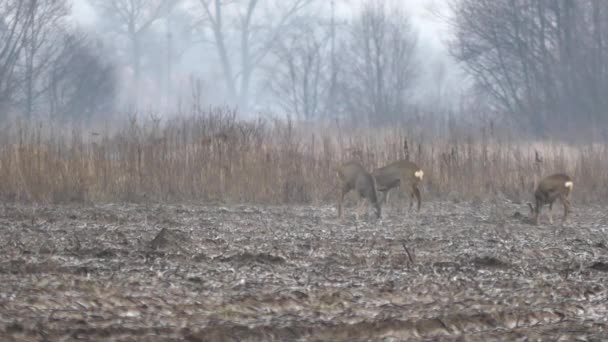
(214, 157)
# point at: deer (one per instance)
(402, 173)
(352, 176)
(550, 188)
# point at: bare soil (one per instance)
(467, 271)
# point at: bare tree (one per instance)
(28, 32)
(380, 65)
(82, 80)
(302, 74)
(46, 26)
(133, 19)
(14, 21)
(540, 60)
(255, 26)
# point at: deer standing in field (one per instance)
(550, 188)
(402, 173)
(353, 176)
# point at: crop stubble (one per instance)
(160, 272)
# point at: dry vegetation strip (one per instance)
(216, 157)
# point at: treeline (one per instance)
(304, 58)
(535, 64)
(48, 66)
(545, 62)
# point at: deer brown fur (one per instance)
(550, 188)
(353, 176)
(402, 173)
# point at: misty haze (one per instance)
(290, 170)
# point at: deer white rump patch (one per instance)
(569, 184)
(419, 174)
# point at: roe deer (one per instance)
(353, 176)
(549, 189)
(401, 173)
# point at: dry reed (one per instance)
(214, 157)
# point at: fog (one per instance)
(197, 58)
(368, 62)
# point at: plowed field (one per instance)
(474, 271)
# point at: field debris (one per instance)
(199, 273)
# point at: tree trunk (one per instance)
(136, 71)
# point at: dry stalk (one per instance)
(216, 157)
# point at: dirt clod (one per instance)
(599, 266)
(489, 262)
(168, 238)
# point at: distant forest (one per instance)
(540, 65)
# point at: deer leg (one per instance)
(378, 209)
(537, 209)
(412, 199)
(345, 189)
(551, 212)
(383, 197)
(360, 207)
(401, 189)
(566, 204)
(415, 194)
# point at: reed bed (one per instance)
(215, 157)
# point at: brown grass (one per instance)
(215, 157)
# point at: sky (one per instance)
(432, 34)
(83, 12)
(431, 31)
(429, 28)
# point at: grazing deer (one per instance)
(353, 176)
(401, 173)
(549, 189)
